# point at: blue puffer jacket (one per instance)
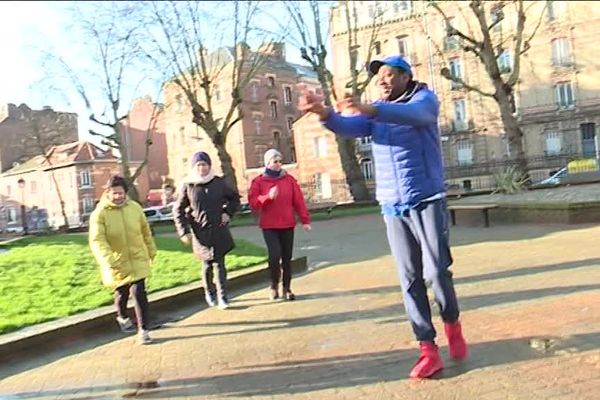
(405, 143)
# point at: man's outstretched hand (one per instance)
(352, 105)
(312, 102)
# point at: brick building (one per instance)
(269, 111)
(80, 169)
(146, 121)
(20, 124)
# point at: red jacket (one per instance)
(278, 213)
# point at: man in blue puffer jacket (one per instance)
(409, 178)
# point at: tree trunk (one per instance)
(514, 134)
(61, 202)
(346, 149)
(226, 165)
(354, 176)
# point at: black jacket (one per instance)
(198, 211)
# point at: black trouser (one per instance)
(140, 304)
(280, 243)
(207, 276)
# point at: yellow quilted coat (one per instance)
(121, 242)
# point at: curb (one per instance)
(65, 331)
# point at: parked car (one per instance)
(159, 213)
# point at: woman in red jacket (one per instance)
(275, 195)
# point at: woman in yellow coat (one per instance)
(122, 243)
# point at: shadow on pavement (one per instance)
(305, 376)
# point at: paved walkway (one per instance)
(531, 311)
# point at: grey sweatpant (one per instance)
(420, 246)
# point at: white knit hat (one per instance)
(270, 154)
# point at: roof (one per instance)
(63, 155)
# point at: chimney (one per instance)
(273, 49)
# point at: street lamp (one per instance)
(21, 183)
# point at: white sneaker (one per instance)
(144, 337)
(223, 304)
(125, 324)
(210, 301)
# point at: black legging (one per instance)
(280, 243)
(140, 304)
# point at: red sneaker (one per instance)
(429, 363)
(457, 347)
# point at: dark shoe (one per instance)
(273, 294)
(457, 346)
(289, 296)
(429, 363)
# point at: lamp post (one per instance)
(21, 183)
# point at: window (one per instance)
(88, 205)
(451, 41)
(318, 184)
(377, 48)
(254, 91)
(588, 139)
(273, 105)
(276, 140)
(12, 215)
(505, 62)
(375, 10)
(179, 103)
(554, 9)
(33, 187)
(496, 15)
(561, 51)
(550, 10)
(271, 81)
(257, 117)
(564, 95)
(464, 150)
(460, 115)
(320, 147)
(290, 124)
(217, 93)
(366, 165)
(402, 7)
(86, 180)
(287, 95)
(402, 46)
(293, 152)
(322, 185)
(455, 71)
(8, 190)
(552, 143)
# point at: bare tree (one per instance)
(308, 26)
(488, 48)
(179, 44)
(112, 44)
(45, 130)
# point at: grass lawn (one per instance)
(249, 219)
(49, 277)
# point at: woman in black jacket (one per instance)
(203, 209)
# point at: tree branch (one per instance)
(454, 31)
(445, 72)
